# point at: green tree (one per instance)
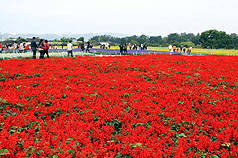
(80, 39)
(215, 39)
(20, 40)
(174, 37)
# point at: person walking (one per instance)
(82, 46)
(70, 48)
(46, 49)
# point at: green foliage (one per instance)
(81, 39)
(20, 40)
(66, 40)
(4, 152)
(218, 39)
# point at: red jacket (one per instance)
(46, 46)
(0, 45)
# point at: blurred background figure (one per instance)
(0, 47)
(82, 46)
(170, 48)
(70, 48)
(34, 47)
(88, 46)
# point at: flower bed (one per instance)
(139, 106)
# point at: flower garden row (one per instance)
(126, 106)
(108, 51)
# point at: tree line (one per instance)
(211, 39)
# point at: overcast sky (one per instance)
(150, 17)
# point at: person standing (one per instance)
(46, 49)
(145, 47)
(82, 46)
(130, 46)
(135, 47)
(189, 50)
(184, 50)
(170, 48)
(181, 48)
(41, 48)
(141, 46)
(88, 46)
(125, 48)
(174, 48)
(70, 48)
(21, 49)
(33, 47)
(121, 48)
(0, 47)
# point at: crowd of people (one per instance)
(124, 47)
(43, 47)
(134, 46)
(17, 47)
(105, 45)
(181, 49)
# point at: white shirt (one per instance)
(21, 46)
(69, 46)
(170, 47)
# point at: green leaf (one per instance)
(181, 135)
(4, 152)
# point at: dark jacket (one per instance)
(33, 45)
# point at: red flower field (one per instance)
(128, 106)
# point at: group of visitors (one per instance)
(134, 46)
(17, 47)
(182, 49)
(82, 46)
(123, 48)
(43, 48)
(105, 45)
